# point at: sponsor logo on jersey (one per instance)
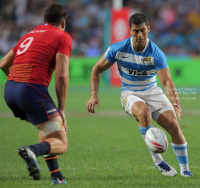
(125, 101)
(50, 111)
(147, 60)
(137, 73)
(38, 31)
(125, 56)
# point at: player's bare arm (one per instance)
(168, 84)
(6, 62)
(98, 68)
(62, 78)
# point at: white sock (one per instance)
(157, 158)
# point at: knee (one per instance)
(144, 115)
(174, 130)
(173, 126)
(64, 149)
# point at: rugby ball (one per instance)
(156, 140)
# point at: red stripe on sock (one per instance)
(55, 170)
(50, 158)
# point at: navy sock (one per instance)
(42, 148)
(52, 163)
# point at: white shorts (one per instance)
(154, 97)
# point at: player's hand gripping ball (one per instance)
(156, 140)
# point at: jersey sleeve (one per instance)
(110, 54)
(160, 61)
(65, 46)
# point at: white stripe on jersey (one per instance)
(138, 88)
(125, 70)
(153, 79)
(131, 58)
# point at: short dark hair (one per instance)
(54, 14)
(138, 19)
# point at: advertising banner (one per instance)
(79, 72)
(119, 32)
(184, 71)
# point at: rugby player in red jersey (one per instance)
(29, 66)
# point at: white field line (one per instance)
(104, 113)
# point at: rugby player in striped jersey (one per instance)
(139, 60)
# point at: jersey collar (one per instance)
(144, 47)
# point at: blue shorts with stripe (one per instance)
(30, 101)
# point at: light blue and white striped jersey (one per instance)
(137, 70)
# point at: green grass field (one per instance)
(105, 149)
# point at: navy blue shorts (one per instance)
(30, 101)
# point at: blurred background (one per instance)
(175, 28)
(175, 25)
(105, 148)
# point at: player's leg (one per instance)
(55, 138)
(55, 135)
(35, 101)
(142, 113)
(25, 153)
(52, 163)
(55, 143)
(168, 121)
(135, 106)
